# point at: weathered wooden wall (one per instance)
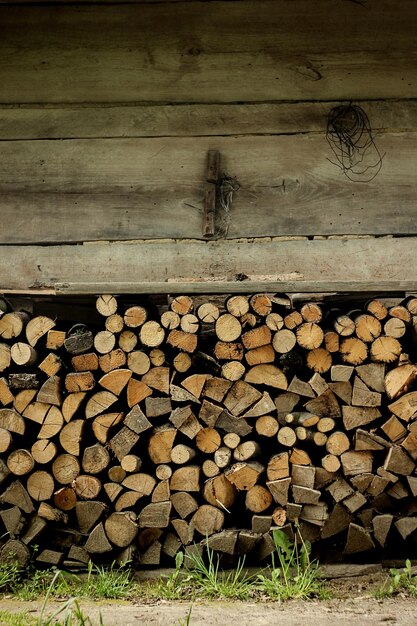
(108, 110)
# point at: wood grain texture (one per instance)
(208, 52)
(123, 189)
(187, 120)
(387, 264)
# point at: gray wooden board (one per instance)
(187, 120)
(382, 264)
(208, 52)
(122, 189)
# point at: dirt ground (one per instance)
(359, 610)
(352, 603)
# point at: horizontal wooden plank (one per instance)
(123, 189)
(208, 52)
(387, 264)
(184, 120)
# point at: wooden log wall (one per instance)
(108, 111)
(160, 428)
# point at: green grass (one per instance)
(113, 582)
(399, 581)
(295, 575)
(22, 618)
(208, 581)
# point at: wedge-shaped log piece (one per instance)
(216, 388)
(195, 384)
(224, 542)
(12, 421)
(278, 466)
(158, 378)
(186, 479)
(240, 397)
(71, 404)
(160, 444)
(123, 442)
(99, 403)
(71, 435)
(279, 490)
(140, 482)
(264, 406)
(394, 429)
(315, 514)
(79, 381)
(97, 542)
(338, 520)
(155, 515)
(354, 463)
(233, 424)
(397, 461)
(116, 380)
(325, 405)
(353, 417)
(37, 327)
(136, 392)
(406, 526)
(121, 528)
(405, 407)
(363, 396)
(381, 525)
(244, 475)
(102, 424)
(372, 374)
(17, 495)
(23, 399)
(399, 380)
(410, 445)
(358, 540)
(268, 375)
(305, 495)
(156, 407)
(137, 421)
(369, 441)
(52, 423)
(88, 514)
(184, 503)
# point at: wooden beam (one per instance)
(122, 189)
(382, 264)
(207, 52)
(72, 121)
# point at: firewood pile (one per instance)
(167, 429)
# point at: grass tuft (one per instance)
(295, 576)
(399, 581)
(209, 581)
(110, 583)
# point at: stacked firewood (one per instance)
(205, 422)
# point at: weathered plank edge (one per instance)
(344, 265)
(186, 120)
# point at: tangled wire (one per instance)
(350, 137)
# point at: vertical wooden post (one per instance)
(212, 180)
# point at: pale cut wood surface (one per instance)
(387, 264)
(74, 121)
(121, 189)
(208, 52)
